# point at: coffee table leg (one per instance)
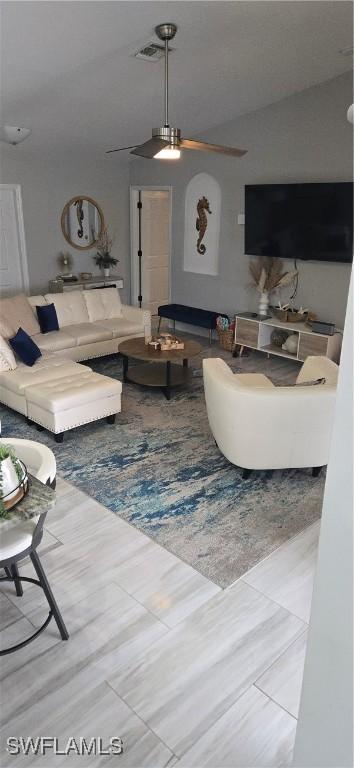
(125, 368)
(167, 389)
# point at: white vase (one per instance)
(263, 304)
(106, 271)
(10, 480)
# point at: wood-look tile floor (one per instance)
(187, 674)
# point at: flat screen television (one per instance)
(300, 221)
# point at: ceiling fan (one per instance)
(166, 142)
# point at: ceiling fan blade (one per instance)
(150, 148)
(206, 147)
(121, 149)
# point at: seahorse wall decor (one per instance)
(80, 217)
(202, 222)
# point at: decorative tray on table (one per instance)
(166, 342)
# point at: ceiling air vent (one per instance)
(151, 52)
(348, 51)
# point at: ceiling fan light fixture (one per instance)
(166, 142)
(168, 153)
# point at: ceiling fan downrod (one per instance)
(166, 32)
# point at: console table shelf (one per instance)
(255, 333)
(272, 349)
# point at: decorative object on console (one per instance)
(47, 318)
(203, 196)
(25, 348)
(268, 276)
(13, 479)
(65, 261)
(278, 337)
(82, 222)
(288, 314)
(86, 275)
(320, 326)
(103, 258)
(291, 344)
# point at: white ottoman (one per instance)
(73, 400)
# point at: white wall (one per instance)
(303, 138)
(325, 728)
(47, 183)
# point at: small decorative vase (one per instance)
(9, 479)
(291, 344)
(263, 304)
(106, 271)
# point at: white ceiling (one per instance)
(68, 69)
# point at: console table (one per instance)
(97, 281)
(255, 333)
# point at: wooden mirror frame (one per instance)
(63, 216)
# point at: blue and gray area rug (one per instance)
(160, 470)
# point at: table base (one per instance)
(164, 375)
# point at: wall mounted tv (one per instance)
(300, 221)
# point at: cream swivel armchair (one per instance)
(22, 540)
(257, 425)
(39, 459)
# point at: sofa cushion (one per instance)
(47, 318)
(45, 369)
(120, 327)
(72, 391)
(87, 333)
(103, 303)
(36, 301)
(7, 357)
(54, 341)
(70, 307)
(24, 347)
(16, 312)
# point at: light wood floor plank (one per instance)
(283, 680)
(253, 732)
(106, 623)
(286, 576)
(187, 680)
(95, 712)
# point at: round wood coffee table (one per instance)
(159, 369)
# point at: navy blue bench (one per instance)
(203, 318)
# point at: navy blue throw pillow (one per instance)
(25, 348)
(47, 318)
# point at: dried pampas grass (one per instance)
(267, 273)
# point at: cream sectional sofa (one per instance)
(92, 323)
(57, 393)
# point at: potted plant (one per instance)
(268, 276)
(103, 257)
(11, 475)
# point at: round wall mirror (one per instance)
(82, 222)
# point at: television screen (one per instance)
(300, 221)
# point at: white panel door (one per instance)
(13, 261)
(155, 245)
